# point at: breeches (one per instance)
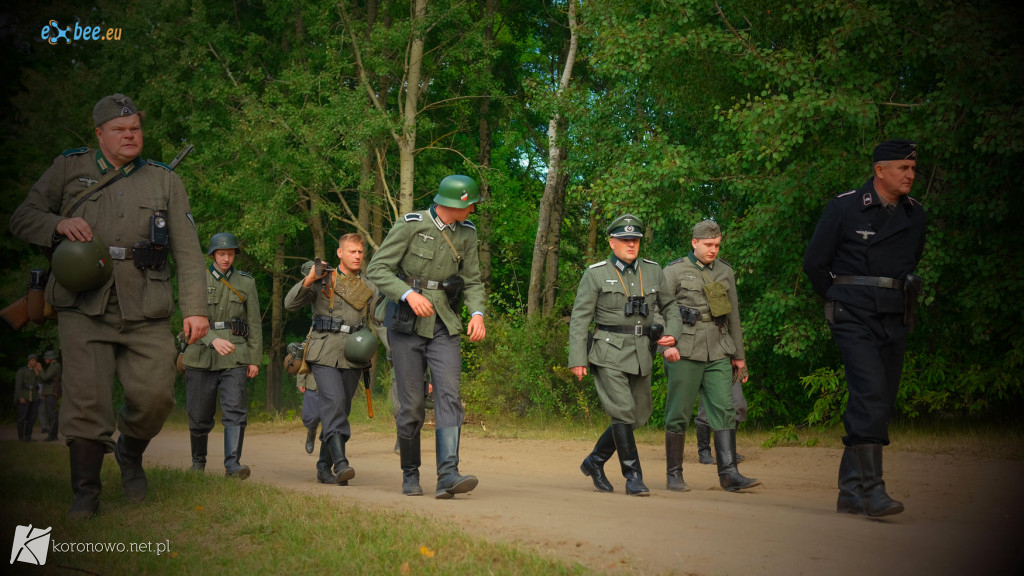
(626, 398)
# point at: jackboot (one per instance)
(342, 471)
(409, 452)
(310, 439)
(233, 438)
(876, 501)
(674, 443)
(52, 436)
(323, 466)
(728, 476)
(593, 465)
(199, 443)
(86, 463)
(128, 453)
(704, 444)
(449, 481)
(629, 459)
(851, 492)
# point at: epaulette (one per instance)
(601, 263)
(914, 201)
(677, 261)
(75, 151)
(160, 164)
(244, 273)
(468, 224)
(845, 194)
(723, 262)
(414, 217)
(651, 262)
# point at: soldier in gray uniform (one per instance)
(222, 360)
(114, 310)
(341, 301)
(621, 295)
(26, 397)
(49, 376)
(427, 263)
(703, 360)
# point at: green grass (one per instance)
(214, 525)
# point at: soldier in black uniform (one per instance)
(861, 259)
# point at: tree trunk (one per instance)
(484, 157)
(276, 352)
(554, 244)
(542, 243)
(407, 140)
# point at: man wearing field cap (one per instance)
(621, 295)
(861, 260)
(707, 354)
(115, 222)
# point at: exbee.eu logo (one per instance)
(54, 32)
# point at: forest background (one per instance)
(314, 119)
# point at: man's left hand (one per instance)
(740, 368)
(476, 329)
(667, 341)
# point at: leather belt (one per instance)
(636, 329)
(873, 281)
(329, 324)
(418, 283)
(121, 253)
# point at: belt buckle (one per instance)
(117, 252)
(638, 330)
(433, 284)
(890, 283)
(345, 328)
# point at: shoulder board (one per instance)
(468, 224)
(914, 201)
(677, 261)
(651, 262)
(75, 151)
(244, 273)
(160, 164)
(414, 217)
(723, 262)
(599, 264)
(845, 194)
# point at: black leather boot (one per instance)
(593, 465)
(704, 444)
(629, 459)
(233, 439)
(128, 453)
(449, 481)
(409, 451)
(310, 439)
(199, 444)
(876, 501)
(674, 443)
(728, 476)
(86, 463)
(52, 436)
(323, 466)
(342, 471)
(851, 493)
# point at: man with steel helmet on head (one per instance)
(114, 313)
(50, 377)
(341, 300)
(26, 396)
(426, 265)
(221, 361)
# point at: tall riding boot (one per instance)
(323, 466)
(233, 438)
(876, 501)
(674, 443)
(728, 476)
(310, 438)
(86, 463)
(629, 459)
(128, 453)
(199, 443)
(704, 444)
(409, 450)
(342, 471)
(52, 436)
(851, 492)
(449, 481)
(593, 464)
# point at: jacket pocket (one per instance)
(607, 348)
(157, 299)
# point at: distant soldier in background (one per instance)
(221, 361)
(26, 396)
(50, 377)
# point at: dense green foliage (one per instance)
(751, 113)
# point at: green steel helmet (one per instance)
(223, 241)
(82, 266)
(49, 355)
(361, 346)
(457, 191)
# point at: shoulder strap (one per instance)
(228, 284)
(109, 178)
(452, 246)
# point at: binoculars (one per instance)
(637, 305)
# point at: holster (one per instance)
(453, 287)
(657, 331)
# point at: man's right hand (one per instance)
(75, 229)
(419, 304)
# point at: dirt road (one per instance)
(964, 515)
